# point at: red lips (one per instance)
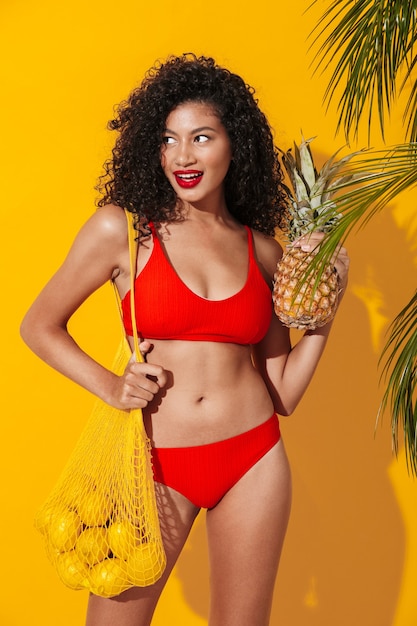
(188, 178)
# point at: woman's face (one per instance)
(196, 153)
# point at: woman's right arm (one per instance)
(99, 253)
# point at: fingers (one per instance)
(341, 263)
(308, 242)
(340, 258)
(145, 347)
(138, 386)
(152, 373)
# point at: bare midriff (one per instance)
(213, 392)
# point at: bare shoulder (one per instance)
(109, 224)
(104, 233)
(101, 242)
(268, 251)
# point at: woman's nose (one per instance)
(184, 155)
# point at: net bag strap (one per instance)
(133, 251)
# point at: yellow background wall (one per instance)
(350, 557)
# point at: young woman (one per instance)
(195, 162)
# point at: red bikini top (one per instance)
(167, 309)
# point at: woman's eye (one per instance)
(201, 138)
(168, 140)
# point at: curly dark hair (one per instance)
(134, 178)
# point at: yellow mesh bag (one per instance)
(100, 523)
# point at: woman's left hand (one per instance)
(340, 259)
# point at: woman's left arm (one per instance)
(286, 369)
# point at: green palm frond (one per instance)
(373, 44)
(368, 183)
(371, 47)
(363, 187)
(410, 113)
(400, 374)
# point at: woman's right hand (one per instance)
(137, 386)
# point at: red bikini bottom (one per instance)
(204, 474)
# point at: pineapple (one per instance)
(299, 302)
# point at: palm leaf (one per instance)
(368, 183)
(382, 176)
(400, 374)
(370, 45)
(373, 42)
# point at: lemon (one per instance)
(94, 508)
(145, 565)
(72, 571)
(122, 538)
(44, 518)
(92, 545)
(108, 578)
(64, 528)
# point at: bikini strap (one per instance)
(154, 234)
(250, 243)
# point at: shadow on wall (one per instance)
(343, 558)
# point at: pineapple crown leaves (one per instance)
(312, 207)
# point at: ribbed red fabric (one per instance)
(167, 309)
(204, 474)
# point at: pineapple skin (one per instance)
(310, 307)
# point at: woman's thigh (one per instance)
(246, 531)
(135, 607)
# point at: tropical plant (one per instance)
(370, 48)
